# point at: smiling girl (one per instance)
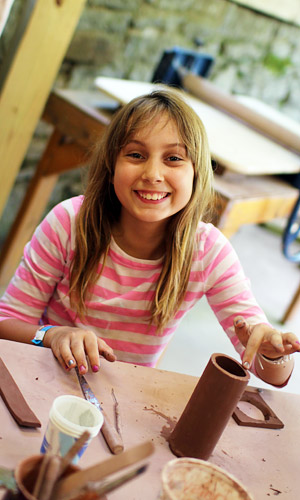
(113, 272)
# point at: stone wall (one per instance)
(254, 54)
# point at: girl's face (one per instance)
(153, 176)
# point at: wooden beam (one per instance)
(29, 81)
(59, 156)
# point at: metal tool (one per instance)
(110, 434)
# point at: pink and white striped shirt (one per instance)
(118, 309)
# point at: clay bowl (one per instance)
(189, 478)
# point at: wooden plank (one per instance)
(288, 11)
(29, 81)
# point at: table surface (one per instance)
(233, 144)
(151, 400)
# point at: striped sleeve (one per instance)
(227, 289)
(44, 262)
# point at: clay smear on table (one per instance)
(171, 422)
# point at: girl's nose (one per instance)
(153, 171)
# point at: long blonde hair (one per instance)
(101, 209)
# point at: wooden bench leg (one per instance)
(222, 216)
(293, 306)
(58, 157)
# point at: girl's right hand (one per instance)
(71, 346)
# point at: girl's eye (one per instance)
(174, 158)
(135, 155)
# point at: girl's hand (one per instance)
(71, 346)
(264, 339)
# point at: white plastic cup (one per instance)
(69, 417)
(196, 479)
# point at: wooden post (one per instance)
(58, 157)
(292, 308)
(29, 81)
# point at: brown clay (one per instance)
(14, 399)
(209, 408)
(270, 421)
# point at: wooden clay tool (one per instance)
(14, 399)
(64, 462)
(110, 434)
(102, 469)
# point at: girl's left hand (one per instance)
(264, 339)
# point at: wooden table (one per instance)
(151, 401)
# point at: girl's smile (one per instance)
(153, 176)
(153, 196)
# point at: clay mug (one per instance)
(194, 479)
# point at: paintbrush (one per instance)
(103, 487)
(101, 470)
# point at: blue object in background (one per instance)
(168, 69)
(291, 233)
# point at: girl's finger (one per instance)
(67, 356)
(241, 329)
(91, 349)
(106, 351)
(256, 338)
(276, 340)
(61, 361)
(78, 351)
(290, 338)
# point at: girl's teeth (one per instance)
(154, 196)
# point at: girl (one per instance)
(113, 272)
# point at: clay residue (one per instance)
(276, 491)
(170, 422)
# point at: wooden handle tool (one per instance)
(109, 432)
(50, 477)
(102, 469)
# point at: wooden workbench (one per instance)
(150, 401)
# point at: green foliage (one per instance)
(277, 65)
